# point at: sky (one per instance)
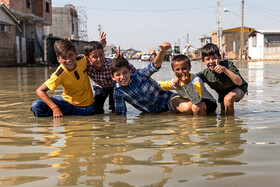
(145, 24)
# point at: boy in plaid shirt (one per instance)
(139, 89)
(98, 70)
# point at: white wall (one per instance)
(258, 51)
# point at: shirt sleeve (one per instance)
(119, 103)
(166, 85)
(133, 69)
(233, 68)
(149, 70)
(53, 82)
(194, 90)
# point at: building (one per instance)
(9, 26)
(231, 41)
(64, 23)
(204, 40)
(33, 15)
(264, 44)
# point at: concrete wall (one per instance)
(64, 23)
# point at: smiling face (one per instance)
(68, 60)
(180, 68)
(96, 57)
(211, 61)
(122, 76)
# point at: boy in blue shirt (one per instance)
(139, 89)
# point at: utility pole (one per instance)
(219, 33)
(242, 33)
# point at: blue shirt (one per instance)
(142, 92)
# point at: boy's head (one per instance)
(120, 71)
(211, 56)
(181, 64)
(66, 54)
(95, 54)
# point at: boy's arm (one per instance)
(166, 85)
(236, 79)
(160, 56)
(194, 90)
(42, 93)
(119, 103)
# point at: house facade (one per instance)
(264, 45)
(231, 41)
(33, 15)
(9, 26)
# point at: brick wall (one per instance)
(39, 7)
(8, 47)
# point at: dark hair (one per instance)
(178, 58)
(62, 46)
(89, 47)
(210, 49)
(117, 63)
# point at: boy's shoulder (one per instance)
(81, 57)
(59, 71)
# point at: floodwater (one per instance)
(141, 149)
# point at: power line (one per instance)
(154, 10)
(263, 13)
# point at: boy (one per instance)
(99, 72)
(197, 99)
(223, 77)
(77, 97)
(139, 89)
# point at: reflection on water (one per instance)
(143, 149)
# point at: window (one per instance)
(47, 7)
(255, 40)
(4, 28)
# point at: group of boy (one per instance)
(120, 80)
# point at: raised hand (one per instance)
(165, 46)
(102, 39)
(176, 82)
(219, 68)
(118, 53)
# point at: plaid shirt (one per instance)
(143, 92)
(103, 78)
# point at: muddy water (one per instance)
(141, 149)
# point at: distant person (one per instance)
(139, 89)
(98, 70)
(223, 77)
(77, 97)
(196, 99)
